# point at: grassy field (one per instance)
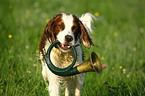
(119, 35)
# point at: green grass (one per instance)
(20, 67)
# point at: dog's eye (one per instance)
(60, 26)
(74, 27)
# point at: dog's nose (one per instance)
(68, 38)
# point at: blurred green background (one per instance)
(119, 35)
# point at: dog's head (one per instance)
(69, 30)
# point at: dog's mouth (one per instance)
(64, 47)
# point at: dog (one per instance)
(69, 30)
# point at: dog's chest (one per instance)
(60, 59)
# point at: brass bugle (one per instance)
(90, 65)
(93, 64)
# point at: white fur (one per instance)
(72, 84)
(87, 20)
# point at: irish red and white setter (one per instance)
(69, 30)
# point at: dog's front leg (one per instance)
(70, 88)
(74, 85)
(54, 86)
(79, 84)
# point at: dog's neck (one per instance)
(59, 58)
(62, 59)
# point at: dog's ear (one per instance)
(49, 31)
(48, 35)
(86, 28)
(85, 37)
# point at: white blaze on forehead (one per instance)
(68, 22)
